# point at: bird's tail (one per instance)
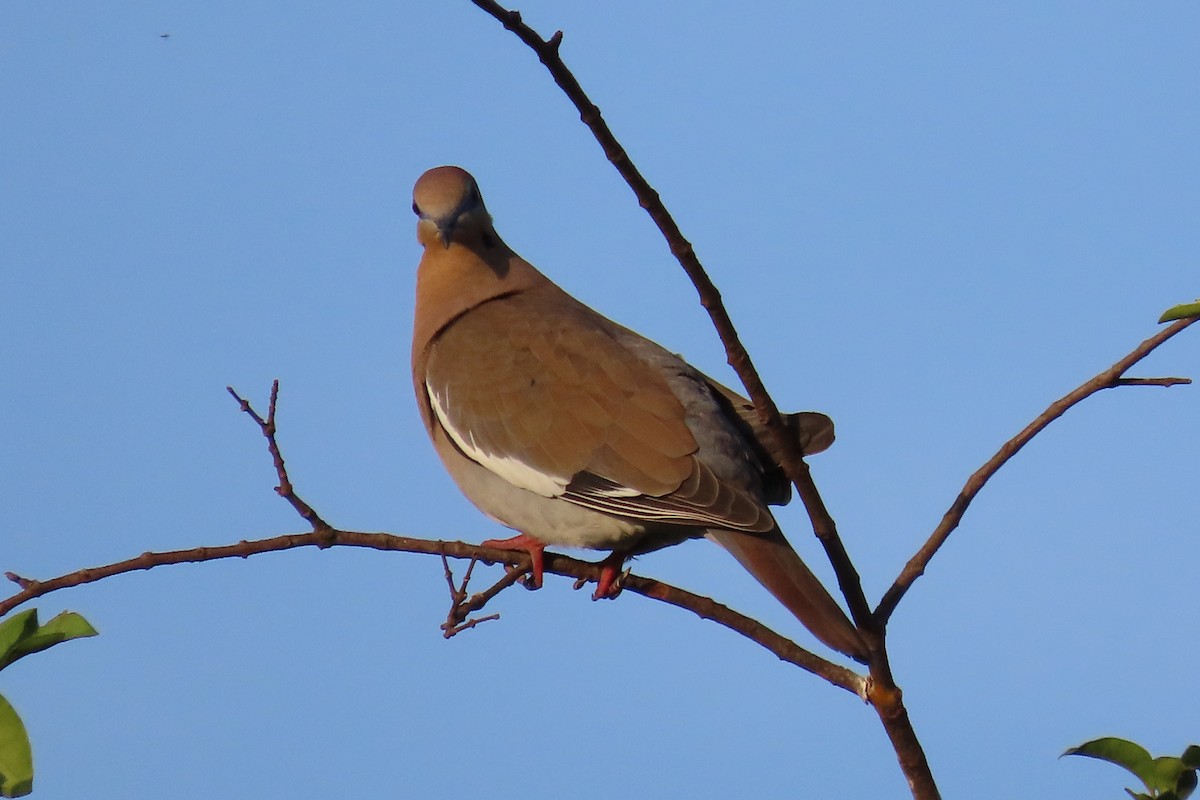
(770, 558)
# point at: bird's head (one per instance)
(449, 208)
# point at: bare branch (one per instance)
(461, 607)
(284, 489)
(556, 564)
(885, 696)
(1109, 379)
(456, 593)
(785, 449)
(471, 623)
(1152, 382)
(24, 583)
(324, 535)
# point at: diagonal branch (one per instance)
(284, 489)
(1109, 379)
(884, 695)
(785, 449)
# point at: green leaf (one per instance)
(16, 759)
(32, 638)
(66, 626)
(1181, 311)
(1191, 757)
(1123, 753)
(13, 630)
(1167, 771)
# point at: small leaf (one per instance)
(13, 630)
(16, 759)
(66, 626)
(1191, 757)
(1121, 752)
(1181, 311)
(1167, 771)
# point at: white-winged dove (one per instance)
(574, 431)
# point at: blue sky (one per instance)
(928, 221)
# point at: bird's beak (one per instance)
(446, 231)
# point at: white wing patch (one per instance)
(513, 470)
(617, 491)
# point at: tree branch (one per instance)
(884, 695)
(284, 489)
(704, 607)
(1109, 379)
(461, 605)
(785, 448)
(1152, 382)
(324, 535)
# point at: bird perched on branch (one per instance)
(575, 431)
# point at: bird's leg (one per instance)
(525, 543)
(609, 585)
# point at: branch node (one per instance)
(24, 583)
(326, 536)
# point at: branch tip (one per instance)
(24, 583)
(1165, 382)
(242, 403)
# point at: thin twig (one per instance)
(456, 594)
(471, 623)
(284, 489)
(461, 607)
(1109, 379)
(1152, 382)
(480, 599)
(24, 583)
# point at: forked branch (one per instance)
(1111, 378)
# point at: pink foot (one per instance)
(527, 544)
(607, 587)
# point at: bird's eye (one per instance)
(416, 210)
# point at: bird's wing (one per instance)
(540, 390)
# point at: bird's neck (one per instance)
(453, 280)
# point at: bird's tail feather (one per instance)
(770, 558)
